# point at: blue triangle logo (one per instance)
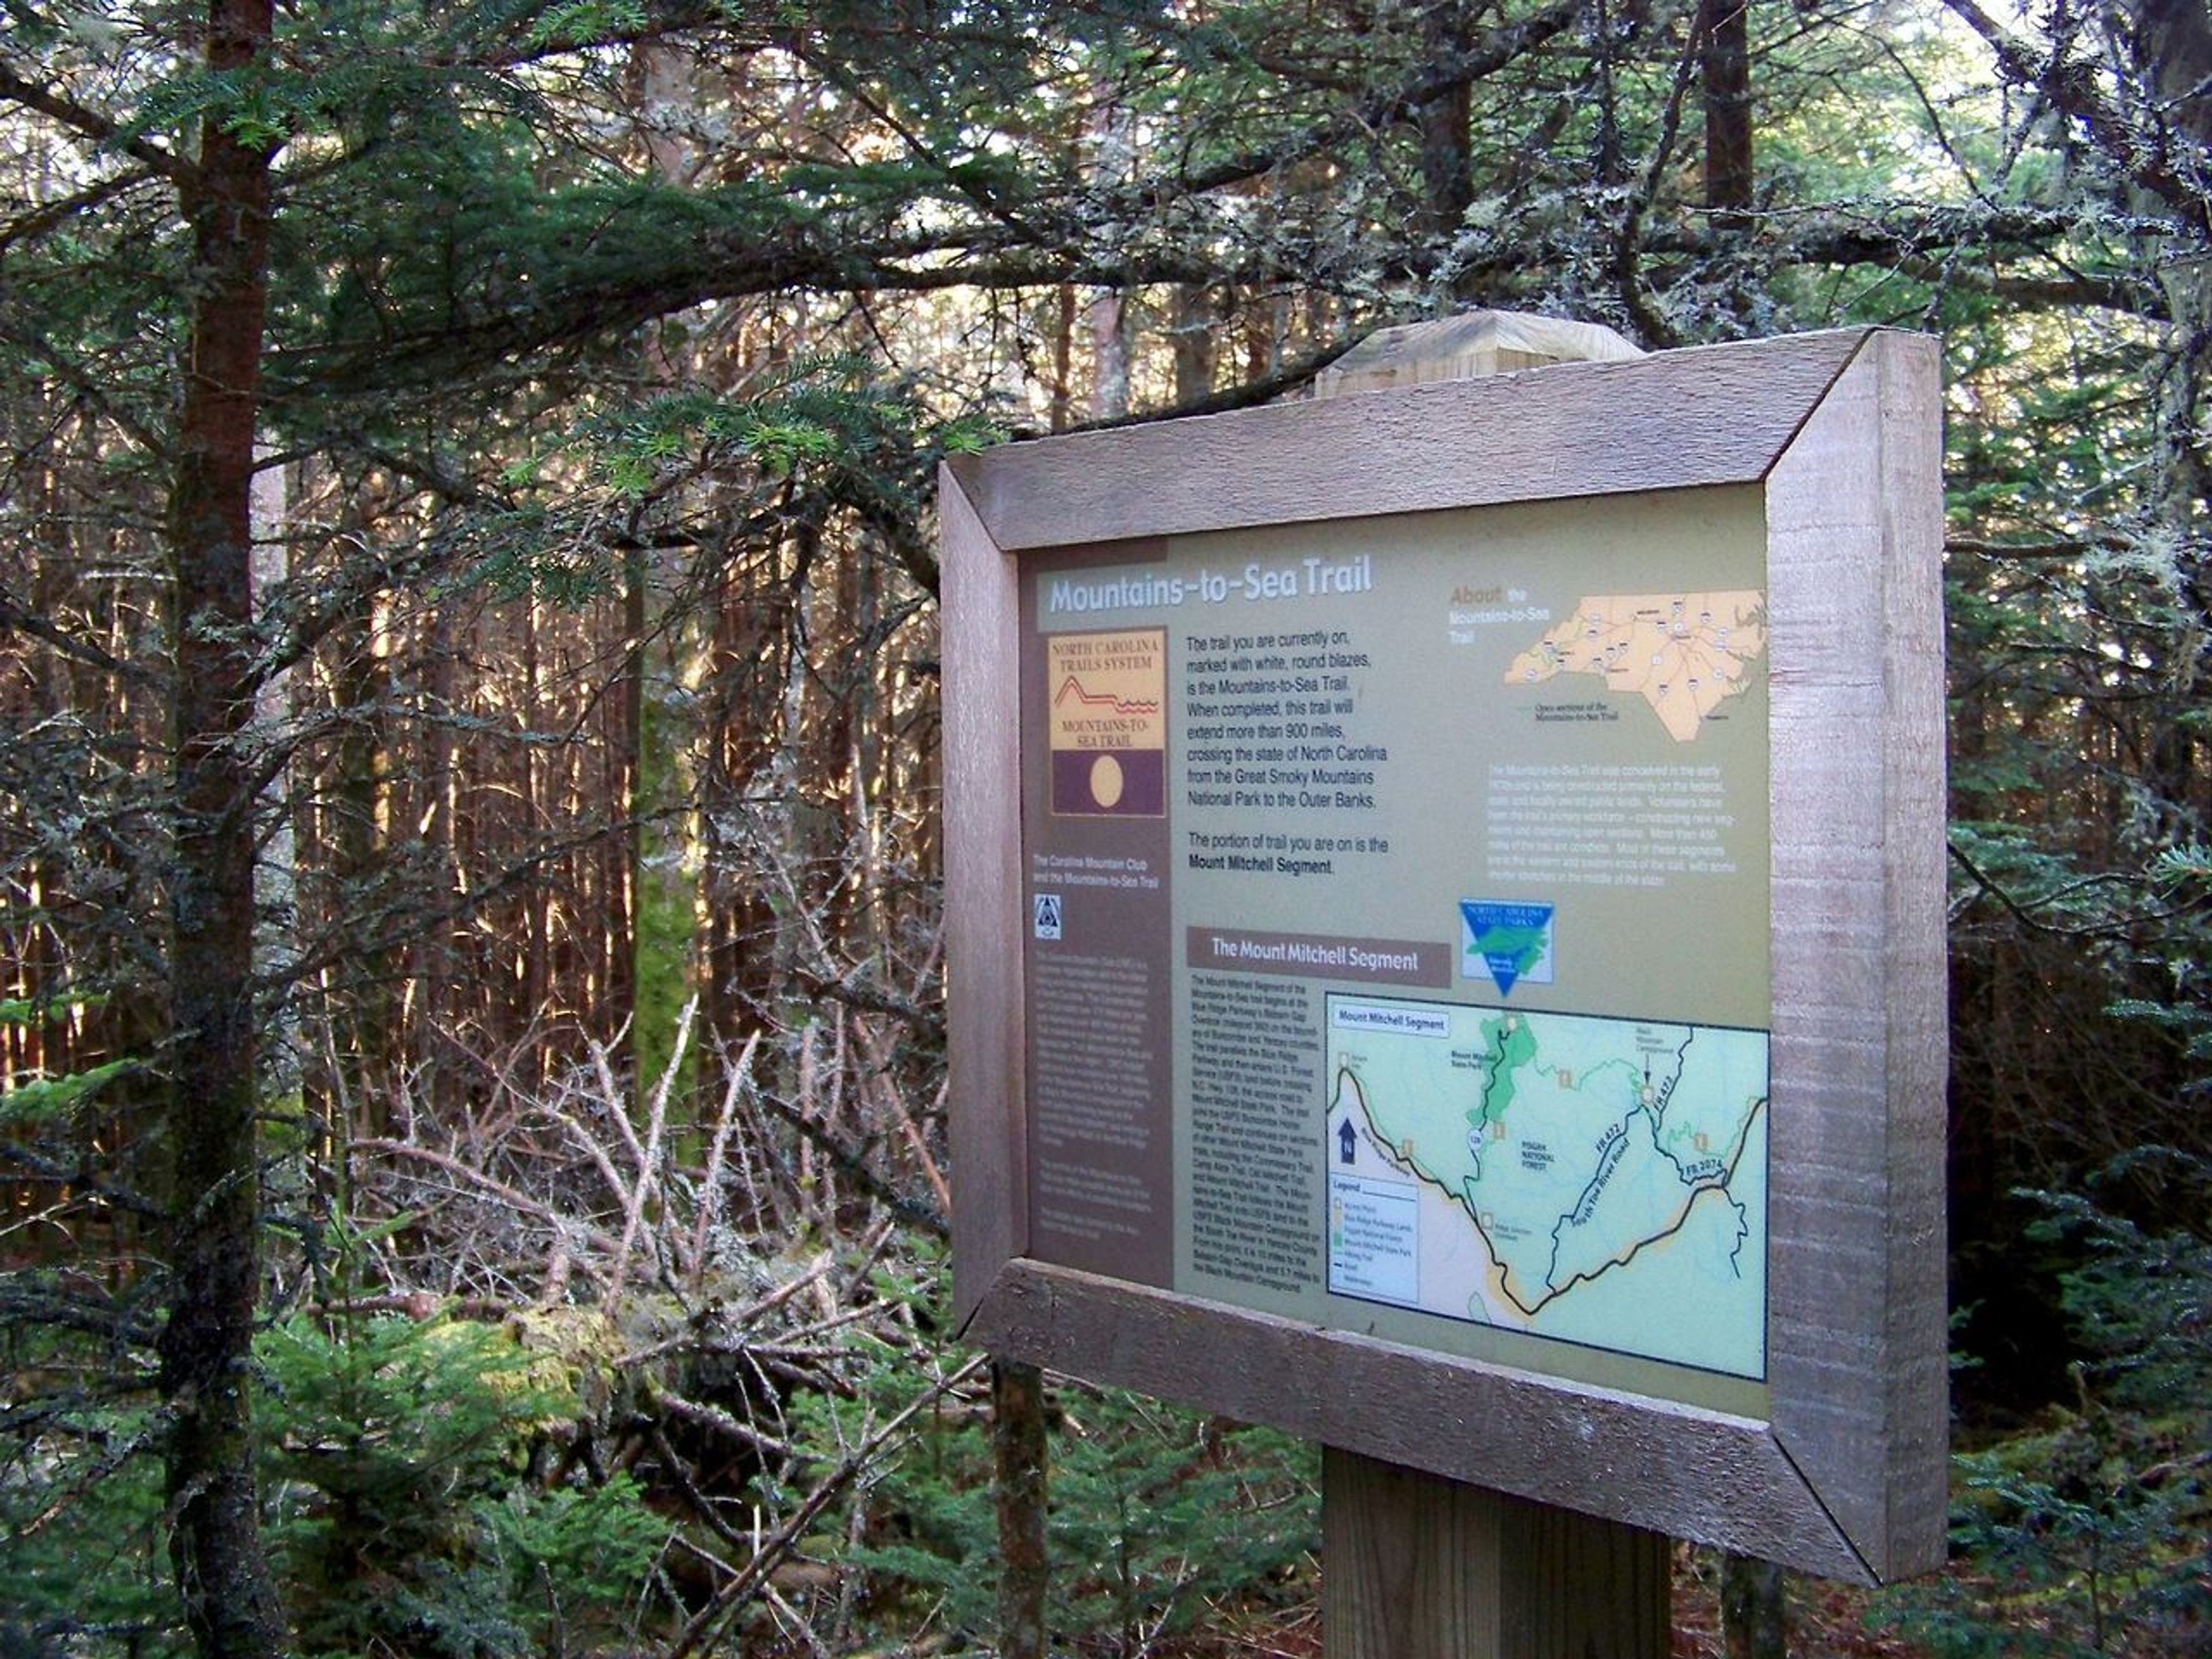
(1507, 940)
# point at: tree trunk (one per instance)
(1446, 161)
(432, 999)
(2173, 43)
(538, 955)
(355, 843)
(1754, 1609)
(1724, 73)
(1063, 357)
(1109, 355)
(282, 1050)
(1113, 161)
(215, 1541)
(1193, 332)
(629, 881)
(1447, 169)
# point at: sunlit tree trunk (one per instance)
(433, 992)
(1109, 355)
(277, 895)
(626, 880)
(1112, 161)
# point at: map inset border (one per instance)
(1760, 1229)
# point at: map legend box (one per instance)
(1374, 1238)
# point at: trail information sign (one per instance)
(1412, 954)
(1446, 892)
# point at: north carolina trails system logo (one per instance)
(1107, 715)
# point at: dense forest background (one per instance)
(471, 1087)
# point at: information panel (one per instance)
(1444, 930)
(1398, 894)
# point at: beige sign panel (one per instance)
(1445, 891)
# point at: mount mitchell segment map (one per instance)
(1592, 1180)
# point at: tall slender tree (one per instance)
(214, 1206)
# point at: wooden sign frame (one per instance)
(1846, 1477)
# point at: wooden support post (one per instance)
(1466, 347)
(1017, 1437)
(1414, 1566)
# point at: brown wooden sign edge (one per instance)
(1726, 412)
(1562, 1443)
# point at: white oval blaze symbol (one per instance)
(1106, 782)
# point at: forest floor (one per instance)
(1826, 1621)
